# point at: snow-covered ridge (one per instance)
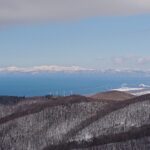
(140, 90)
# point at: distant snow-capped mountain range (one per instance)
(59, 68)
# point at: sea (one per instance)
(40, 84)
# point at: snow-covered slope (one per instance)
(140, 90)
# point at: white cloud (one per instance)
(38, 10)
(46, 68)
(128, 62)
(143, 60)
(131, 60)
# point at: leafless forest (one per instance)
(75, 122)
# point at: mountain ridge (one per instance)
(74, 122)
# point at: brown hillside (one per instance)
(113, 95)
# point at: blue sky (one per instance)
(94, 41)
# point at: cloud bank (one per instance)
(131, 60)
(46, 68)
(127, 63)
(12, 11)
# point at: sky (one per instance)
(74, 35)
